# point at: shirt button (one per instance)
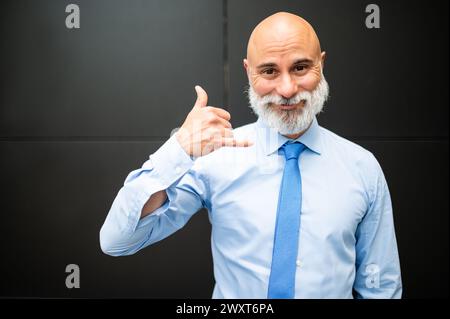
(298, 263)
(178, 169)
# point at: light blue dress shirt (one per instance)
(347, 238)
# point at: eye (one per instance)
(300, 68)
(269, 71)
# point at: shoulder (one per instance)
(354, 157)
(348, 150)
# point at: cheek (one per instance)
(310, 81)
(263, 87)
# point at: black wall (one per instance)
(81, 108)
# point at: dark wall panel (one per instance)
(130, 70)
(55, 197)
(379, 85)
(418, 180)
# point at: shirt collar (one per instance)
(270, 140)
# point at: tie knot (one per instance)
(292, 150)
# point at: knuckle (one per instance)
(209, 138)
(211, 117)
(209, 134)
(218, 143)
(227, 132)
(212, 133)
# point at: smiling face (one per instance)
(284, 67)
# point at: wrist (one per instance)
(183, 140)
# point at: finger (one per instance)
(220, 121)
(220, 112)
(227, 133)
(202, 97)
(228, 141)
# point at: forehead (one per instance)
(283, 47)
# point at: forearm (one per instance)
(121, 233)
(140, 203)
(155, 201)
(378, 273)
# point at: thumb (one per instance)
(202, 97)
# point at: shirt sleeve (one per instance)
(377, 261)
(170, 168)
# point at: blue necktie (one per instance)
(285, 246)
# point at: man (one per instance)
(296, 211)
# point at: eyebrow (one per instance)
(296, 62)
(300, 61)
(266, 65)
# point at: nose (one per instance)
(287, 87)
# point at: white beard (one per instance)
(288, 122)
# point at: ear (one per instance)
(246, 67)
(322, 58)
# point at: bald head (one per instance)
(284, 67)
(281, 31)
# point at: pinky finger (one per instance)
(236, 143)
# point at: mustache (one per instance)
(270, 99)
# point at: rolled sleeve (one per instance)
(124, 232)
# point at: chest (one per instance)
(244, 199)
